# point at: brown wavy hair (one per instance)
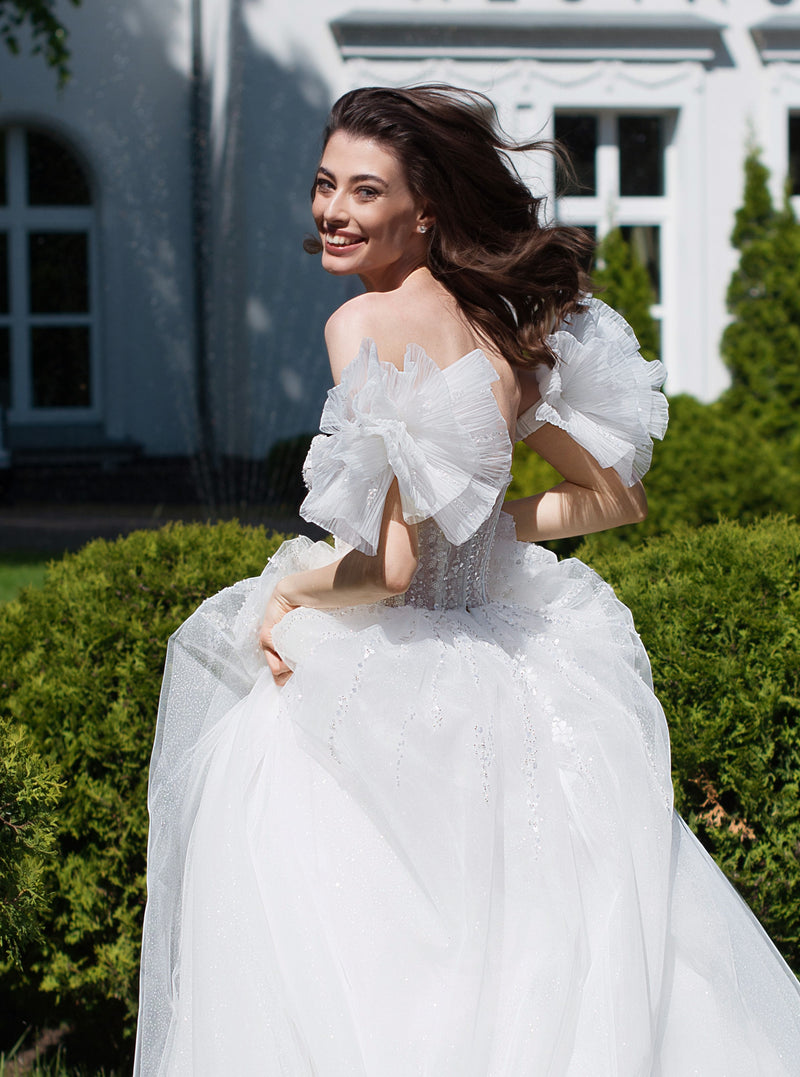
(514, 276)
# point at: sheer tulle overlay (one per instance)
(446, 847)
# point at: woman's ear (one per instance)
(425, 221)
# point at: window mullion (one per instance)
(58, 219)
(630, 210)
(95, 377)
(607, 171)
(17, 266)
(18, 295)
(15, 150)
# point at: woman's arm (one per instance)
(589, 499)
(355, 580)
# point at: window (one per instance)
(794, 152)
(619, 160)
(579, 134)
(645, 239)
(641, 155)
(47, 307)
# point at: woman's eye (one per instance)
(323, 184)
(366, 193)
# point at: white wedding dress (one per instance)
(446, 848)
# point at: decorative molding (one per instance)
(783, 74)
(524, 34)
(615, 74)
(778, 38)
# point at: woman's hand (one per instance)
(355, 579)
(277, 607)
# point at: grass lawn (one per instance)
(54, 1068)
(27, 1062)
(19, 568)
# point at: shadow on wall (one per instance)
(269, 299)
(266, 300)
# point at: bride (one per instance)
(411, 808)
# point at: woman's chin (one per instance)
(337, 265)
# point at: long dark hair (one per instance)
(513, 276)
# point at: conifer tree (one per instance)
(623, 282)
(761, 346)
(756, 215)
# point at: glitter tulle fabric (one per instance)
(446, 848)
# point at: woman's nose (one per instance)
(336, 210)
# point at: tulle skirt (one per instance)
(445, 848)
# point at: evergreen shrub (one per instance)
(29, 792)
(82, 658)
(621, 280)
(718, 610)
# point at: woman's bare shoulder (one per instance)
(349, 324)
(351, 317)
(393, 320)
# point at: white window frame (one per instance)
(791, 111)
(18, 220)
(608, 208)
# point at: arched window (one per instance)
(47, 286)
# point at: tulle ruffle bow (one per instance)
(438, 432)
(602, 392)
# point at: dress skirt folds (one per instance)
(446, 848)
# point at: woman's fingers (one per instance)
(278, 668)
(275, 610)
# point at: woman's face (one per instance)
(367, 217)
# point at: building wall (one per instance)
(124, 113)
(253, 335)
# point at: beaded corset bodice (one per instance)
(449, 576)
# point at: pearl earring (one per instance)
(423, 228)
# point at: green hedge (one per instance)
(29, 792)
(719, 612)
(82, 658)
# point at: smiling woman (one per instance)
(369, 221)
(411, 796)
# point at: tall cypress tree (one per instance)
(623, 282)
(756, 215)
(761, 346)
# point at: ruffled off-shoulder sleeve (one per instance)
(437, 431)
(601, 392)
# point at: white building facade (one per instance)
(154, 295)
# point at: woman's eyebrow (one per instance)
(368, 176)
(360, 178)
